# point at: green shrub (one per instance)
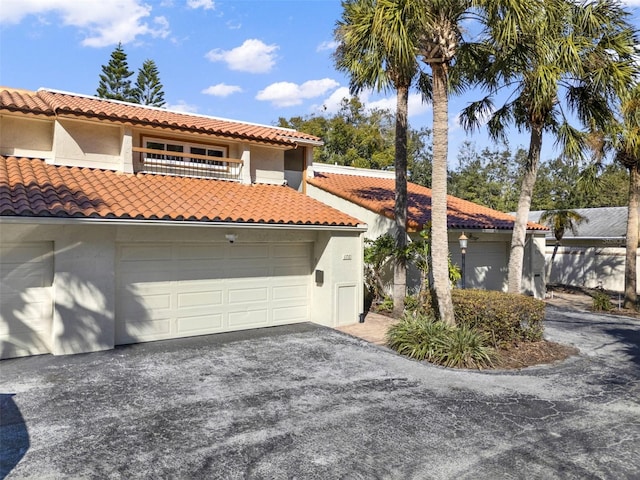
(420, 337)
(601, 302)
(504, 318)
(465, 348)
(423, 338)
(386, 305)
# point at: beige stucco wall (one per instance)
(84, 277)
(267, 165)
(339, 298)
(88, 144)
(26, 137)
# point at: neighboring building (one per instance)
(593, 257)
(122, 223)
(370, 195)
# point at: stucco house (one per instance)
(369, 195)
(121, 223)
(594, 256)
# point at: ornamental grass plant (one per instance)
(424, 338)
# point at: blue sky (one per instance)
(247, 60)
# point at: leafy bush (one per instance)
(423, 338)
(504, 318)
(601, 302)
(465, 348)
(420, 337)
(386, 305)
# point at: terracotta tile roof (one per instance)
(62, 103)
(23, 101)
(378, 195)
(33, 188)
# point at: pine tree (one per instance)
(114, 83)
(148, 89)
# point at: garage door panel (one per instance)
(199, 252)
(250, 318)
(153, 302)
(147, 330)
(248, 295)
(30, 275)
(300, 251)
(246, 272)
(203, 299)
(199, 324)
(291, 291)
(26, 319)
(139, 253)
(250, 251)
(213, 288)
(290, 270)
(26, 302)
(290, 314)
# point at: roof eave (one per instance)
(30, 220)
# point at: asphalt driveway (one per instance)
(310, 402)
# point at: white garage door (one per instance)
(486, 264)
(180, 290)
(26, 308)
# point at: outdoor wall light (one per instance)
(463, 242)
(463, 249)
(231, 237)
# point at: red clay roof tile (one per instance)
(62, 103)
(23, 100)
(33, 188)
(378, 195)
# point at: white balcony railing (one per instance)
(187, 164)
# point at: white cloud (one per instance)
(332, 104)
(102, 22)
(288, 94)
(329, 45)
(252, 56)
(631, 3)
(221, 90)
(183, 106)
(205, 4)
(416, 105)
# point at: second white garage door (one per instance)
(180, 290)
(486, 264)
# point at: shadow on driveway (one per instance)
(14, 437)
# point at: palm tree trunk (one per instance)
(553, 258)
(439, 237)
(400, 207)
(518, 239)
(630, 296)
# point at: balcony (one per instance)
(187, 165)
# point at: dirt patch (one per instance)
(533, 353)
(581, 299)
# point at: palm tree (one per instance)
(579, 52)
(376, 48)
(560, 220)
(437, 48)
(442, 47)
(628, 154)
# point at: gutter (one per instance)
(9, 220)
(623, 238)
